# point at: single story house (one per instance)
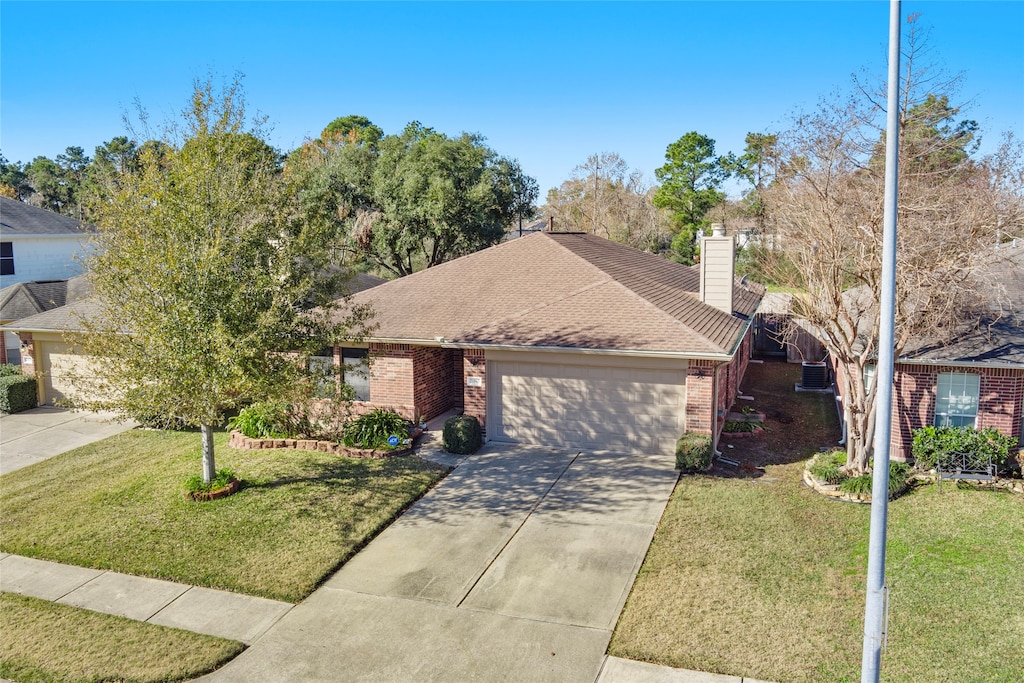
(563, 339)
(36, 244)
(974, 376)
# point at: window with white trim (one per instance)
(956, 399)
(6, 258)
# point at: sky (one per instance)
(546, 83)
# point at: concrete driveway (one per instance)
(514, 568)
(44, 432)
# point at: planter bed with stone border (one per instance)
(243, 442)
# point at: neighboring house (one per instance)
(565, 340)
(26, 299)
(36, 244)
(46, 355)
(975, 376)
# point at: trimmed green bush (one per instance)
(373, 429)
(939, 444)
(462, 435)
(17, 393)
(693, 452)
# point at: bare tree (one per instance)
(826, 210)
(606, 198)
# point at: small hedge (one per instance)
(934, 444)
(462, 435)
(268, 420)
(17, 392)
(693, 452)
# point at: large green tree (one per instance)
(691, 182)
(413, 200)
(208, 275)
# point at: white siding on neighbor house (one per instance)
(44, 257)
(588, 402)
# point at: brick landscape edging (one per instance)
(243, 442)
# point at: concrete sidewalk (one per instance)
(202, 610)
(40, 433)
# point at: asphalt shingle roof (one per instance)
(19, 218)
(25, 299)
(570, 290)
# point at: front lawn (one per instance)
(47, 641)
(761, 577)
(120, 504)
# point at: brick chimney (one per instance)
(717, 261)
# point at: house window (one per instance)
(321, 366)
(869, 376)
(12, 343)
(355, 371)
(956, 399)
(6, 258)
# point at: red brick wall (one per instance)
(456, 380)
(432, 380)
(1000, 404)
(391, 378)
(699, 396)
(28, 351)
(474, 399)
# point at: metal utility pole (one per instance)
(877, 592)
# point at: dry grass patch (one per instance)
(119, 504)
(45, 641)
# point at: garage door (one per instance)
(59, 364)
(575, 405)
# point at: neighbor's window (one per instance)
(956, 400)
(6, 258)
(869, 376)
(355, 371)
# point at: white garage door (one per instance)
(626, 409)
(58, 364)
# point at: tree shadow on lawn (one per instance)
(797, 425)
(385, 474)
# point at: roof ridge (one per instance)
(647, 302)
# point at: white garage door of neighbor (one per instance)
(57, 362)
(633, 410)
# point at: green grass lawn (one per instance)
(46, 641)
(120, 504)
(764, 578)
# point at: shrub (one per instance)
(461, 435)
(939, 444)
(899, 474)
(195, 484)
(262, 421)
(373, 429)
(7, 369)
(828, 466)
(17, 393)
(693, 452)
(739, 426)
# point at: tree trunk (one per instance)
(209, 468)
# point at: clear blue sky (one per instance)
(547, 83)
